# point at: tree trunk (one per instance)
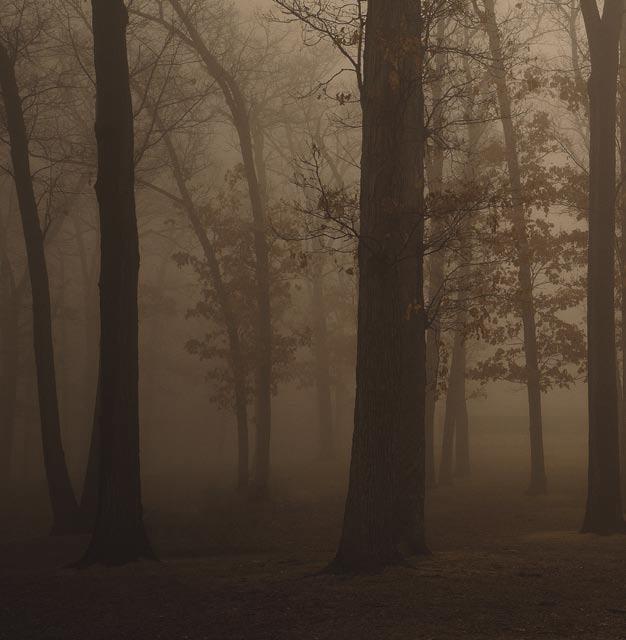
(321, 357)
(64, 506)
(538, 480)
(384, 507)
(230, 318)
(622, 212)
(119, 534)
(263, 370)
(436, 263)
(462, 467)
(604, 509)
(455, 399)
(9, 370)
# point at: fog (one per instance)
(320, 304)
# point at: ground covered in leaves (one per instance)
(503, 566)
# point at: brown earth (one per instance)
(503, 566)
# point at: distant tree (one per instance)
(185, 25)
(119, 535)
(487, 15)
(16, 38)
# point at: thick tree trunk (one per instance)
(538, 480)
(604, 509)
(64, 506)
(384, 507)
(622, 212)
(321, 357)
(119, 534)
(263, 370)
(9, 369)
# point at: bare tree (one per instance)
(64, 506)
(119, 534)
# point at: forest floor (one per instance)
(503, 566)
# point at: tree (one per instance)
(622, 256)
(604, 509)
(384, 507)
(538, 481)
(64, 506)
(239, 109)
(119, 534)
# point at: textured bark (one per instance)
(64, 505)
(538, 480)
(622, 221)
(384, 507)
(9, 369)
(119, 534)
(239, 110)
(604, 509)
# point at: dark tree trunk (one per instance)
(239, 110)
(455, 400)
(228, 313)
(321, 357)
(538, 480)
(64, 506)
(384, 507)
(436, 264)
(622, 212)
(462, 467)
(9, 369)
(119, 534)
(604, 509)
(89, 498)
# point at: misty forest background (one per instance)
(381, 250)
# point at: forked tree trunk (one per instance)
(384, 507)
(538, 480)
(228, 313)
(604, 509)
(64, 505)
(239, 110)
(119, 534)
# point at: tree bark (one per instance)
(604, 509)
(384, 507)
(64, 505)
(538, 480)
(622, 220)
(119, 535)
(9, 369)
